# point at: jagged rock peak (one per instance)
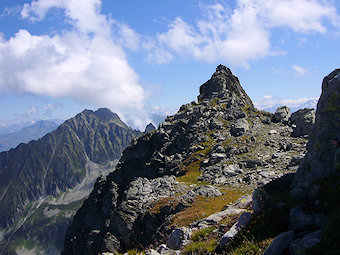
(149, 128)
(106, 114)
(103, 114)
(223, 85)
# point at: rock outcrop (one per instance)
(318, 174)
(221, 141)
(223, 85)
(310, 210)
(303, 120)
(149, 128)
(323, 156)
(282, 114)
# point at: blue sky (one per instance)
(58, 57)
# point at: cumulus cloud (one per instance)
(85, 63)
(244, 33)
(299, 70)
(129, 38)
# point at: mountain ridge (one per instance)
(57, 162)
(31, 132)
(211, 150)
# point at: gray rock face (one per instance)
(304, 245)
(300, 220)
(279, 244)
(178, 238)
(149, 128)
(223, 84)
(205, 191)
(236, 228)
(304, 120)
(323, 155)
(240, 127)
(282, 114)
(260, 201)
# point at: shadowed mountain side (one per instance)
(57, 163)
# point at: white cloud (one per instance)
(86, 63)
(129, 38)
(299, 70)
(243, 34)
(299, 15)
(83, 15)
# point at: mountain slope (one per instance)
(31, 132)
(199, 161)
(57, 163)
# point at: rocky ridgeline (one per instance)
(201, 161)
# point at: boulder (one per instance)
(207, 191)
(299, 220)
(280, 243)
(231, 170)
(235, 229)
(164, 250)
(217, 217)
(261, 201)
(178, 238)
(304, 120)
(282, 114)
(240, 127)
(304, 245)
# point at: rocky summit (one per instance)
(188, 185)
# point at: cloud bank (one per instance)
(243, 34)
(270, 102)
(86, 63)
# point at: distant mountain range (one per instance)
(44, 182)
(32, 131)
(312, 103)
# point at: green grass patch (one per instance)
(201, 247)
(201, 234)
(157, 207)
(251, 247)
(203, 207)
(191, 173)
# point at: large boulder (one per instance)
(304, 245)
(178, 238)
(279, 244)
(323, 150)
(240, 127)
(304, 120)
(241, 223)
(282, 114)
